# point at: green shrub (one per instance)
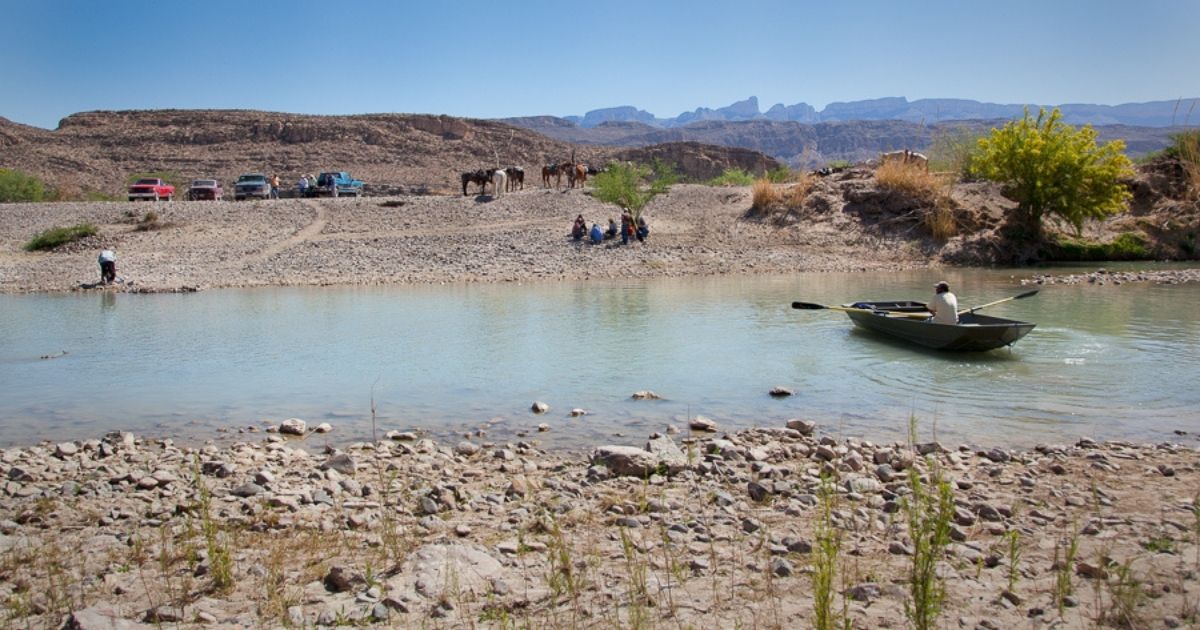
(55, 237)
(1126, 246)
(732, 177)
(841, 164)
(1051, 168)
(779, 175)
(16, 187)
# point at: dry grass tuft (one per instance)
(765, 195)
(798, 193)
(940, 219)
(1188, 147)
(910, 179)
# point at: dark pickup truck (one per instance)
(336, 184)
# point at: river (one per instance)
(1104, 361)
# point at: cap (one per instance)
(942, 286)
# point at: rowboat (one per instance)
(903, 319)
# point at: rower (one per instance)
(944, 305)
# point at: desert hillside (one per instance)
(98, 151)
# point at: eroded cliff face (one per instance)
(97, 151)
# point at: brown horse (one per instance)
(576, 175)
(475, 177)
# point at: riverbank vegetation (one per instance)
(59, 236)
(18, 187)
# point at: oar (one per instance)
(812, 306)
(1007, 299)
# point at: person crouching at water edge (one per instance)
(108, 266)
(944, 305)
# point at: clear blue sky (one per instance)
(496, 59)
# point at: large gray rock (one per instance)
(102, 616)
(626, 461)
(448, 571)
(293, 426)
(668, 453)
(341, 462)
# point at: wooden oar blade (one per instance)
(808, 306)
(1026, 294)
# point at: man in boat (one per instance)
(944, 304)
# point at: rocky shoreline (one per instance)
(686, 530)
(1103, 276)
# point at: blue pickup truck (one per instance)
(336, 184)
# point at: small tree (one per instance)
(622, 184)
(1052, 168)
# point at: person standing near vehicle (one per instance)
(302, 186)
(108, 266)
(275, 186)
(944, 305)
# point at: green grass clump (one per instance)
(56, 237)
(16, 187)
(732, 177)
(1126, 246)
(779, 175)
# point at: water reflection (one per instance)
(450, 359)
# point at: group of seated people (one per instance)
(629, 228)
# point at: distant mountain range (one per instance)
(803, 137)
(1184, 111)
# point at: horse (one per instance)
(919, 160)
(577, 174)
(474, 177)
(499, 181)
(516, 177)
(548, 171)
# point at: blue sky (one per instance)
(497, 59)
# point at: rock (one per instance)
(324, 427)
(864, 592)
(805, 427)
(898, 548)
(539, 407)
(164, 614)
(700, 423)
(797, 545)
(401, 436)
(380, 612)
(147, 483)
(101, 616)
(577, 412)
(247, 489)
(19, 474)
(645, 394)
(466, 448)
(780, 392)
(1166, 471)
(448, 571)
(863, 485)
(988, 512)
(758, 492)
(626, 461)
(998, 455)
(341, 462)
(781, 567)
(543, 427)
(295, 615)
(65, 450)
(751, 525)
(668, 453)
(340, 580)
(1090, 571)
(885, 473)
(293, 426)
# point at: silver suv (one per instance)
(252, 185)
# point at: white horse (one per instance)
(499, 180)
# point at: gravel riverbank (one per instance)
(521, 236)
(702, 530)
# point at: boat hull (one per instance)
(973, 333)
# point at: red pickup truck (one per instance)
(151, 189)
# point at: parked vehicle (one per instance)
(151, 189)
(336, 184)
(205, 190)
(252, 185)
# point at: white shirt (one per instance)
(944, 307)
(108, 256)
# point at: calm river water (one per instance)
(1107, 362)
